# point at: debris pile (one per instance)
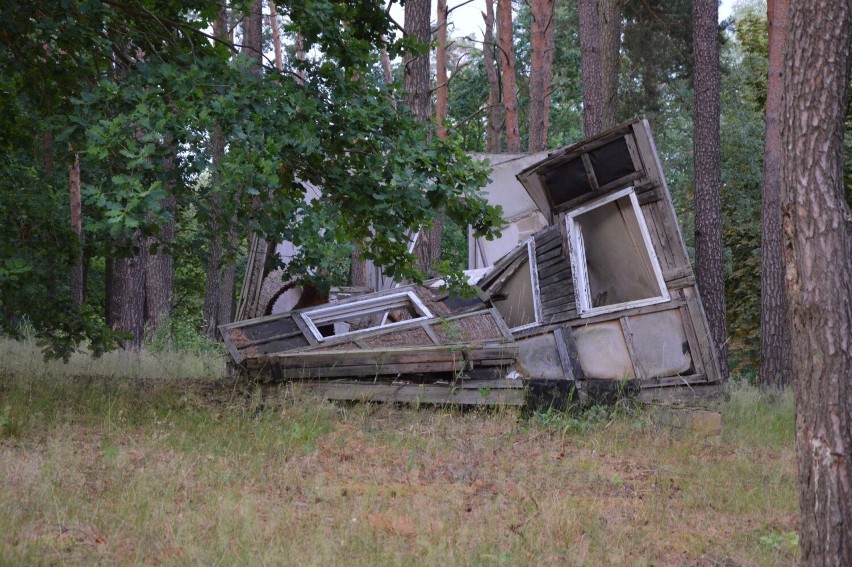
(595, 294)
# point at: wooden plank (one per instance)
(564, 358)
(631, 349)
(648, 197)
(400, 355)
(667, 381)
(590, 171)
(557, 271)
(627, 313)
(544, 258)
(659, 239)
(617, 184)
(707, 350)
(371, 369)
(427, 328)
(630, 140)
(557, 286)
(692, 340)
(412, 393)
(696, 393)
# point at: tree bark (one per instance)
(77, 277)
(253, 33)
(709, 264)
(609, 12)
(506, 58)
(541, 73)
(775, 344)
(276, 36)
(387, 73)
(442, 88)
(159, 273)
(127, 305)
(590, 58)
(416, 79)
(817, 228)
(218, 288)
(494, 127)
(428, 247)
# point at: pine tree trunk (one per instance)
(709, 264)
(506, 58)
(416, 81)
(590, 58)
(494, 126)
(442, 88)
(252, 47)
(817, 228)
(775, 344)
(428, 247)
(77, 276)
(276, 36)
(541, 73)
(609, 12)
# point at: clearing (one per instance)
(147, 459)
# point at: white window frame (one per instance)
(536, 293)
(328, 314)
(577, 253)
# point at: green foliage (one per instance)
(147, 91)
(743, 101)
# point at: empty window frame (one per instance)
(365, 315)
(518, 299)
(612, 258)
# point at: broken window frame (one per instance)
(530, 242)
(325, 315)
(577, 252)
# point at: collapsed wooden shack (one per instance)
(595, 296)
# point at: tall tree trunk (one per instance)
(428, 247)
(159, 268)
(253, 33)
(541, 72)
(77, 279)
(387, 73)
(128, 294)
(590, 58)
(300, 56)
(276, 36)
(775, 344)
(442, 88)
(159, 273)
(417, 66)
(218, 290)
(609, 12)
(709, 264)
(506, 58)
(494, 127)
(817, 228)
(259, 247)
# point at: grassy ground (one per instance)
(157, 460)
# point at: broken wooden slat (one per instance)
(412, 393)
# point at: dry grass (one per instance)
(171, 467)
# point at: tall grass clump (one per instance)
(757, 417)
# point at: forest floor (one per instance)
(158, 459)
